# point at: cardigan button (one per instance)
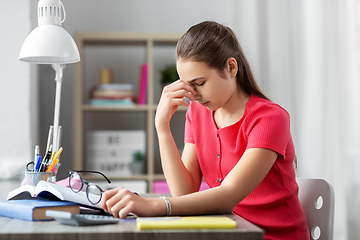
(218, 156)
(219, 180)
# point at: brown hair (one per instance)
(213, 44)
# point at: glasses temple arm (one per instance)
(108, 180)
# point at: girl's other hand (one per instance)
(171, 98)
(120, 202)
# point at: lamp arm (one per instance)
(58, 79)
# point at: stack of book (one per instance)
(112, 94)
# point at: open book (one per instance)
(51, 191)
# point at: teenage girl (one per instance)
(235, 138)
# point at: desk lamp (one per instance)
(49, 43)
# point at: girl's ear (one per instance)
(232, 67)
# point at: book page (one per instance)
(52, 191)
(23, 192)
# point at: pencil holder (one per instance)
(32, 178)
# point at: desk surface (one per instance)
(11, 229)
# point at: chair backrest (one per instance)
(318, 201)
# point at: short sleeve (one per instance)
(269, 128)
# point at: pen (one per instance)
(58, 153)
(50, 168)
(53, 164)
(38, 164)
(57, 156)
(52, 156)
(45, 160)
(36, 155)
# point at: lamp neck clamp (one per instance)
(50, 11)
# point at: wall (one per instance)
(123, 16)
(18, 109)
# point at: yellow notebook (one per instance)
(184, 222)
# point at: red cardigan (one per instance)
(274, 204)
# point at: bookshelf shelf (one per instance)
(135, 177)
(124, 51)
(116, 108)
(90, 108)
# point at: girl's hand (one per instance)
(120, 202)
(171, 98)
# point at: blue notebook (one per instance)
(34, 209)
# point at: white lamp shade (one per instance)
(48, 44)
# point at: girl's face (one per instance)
(213, 90)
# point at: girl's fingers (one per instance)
(178, 85)
(171, 98)
(111, 197)
(119, 201)
(108, 194)
(179, 101)
(122, 208)
(180, 94)
(124, 212)
(190, 96)
(117, 206)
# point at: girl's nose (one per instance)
(197, 96)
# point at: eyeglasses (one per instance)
(93, 191)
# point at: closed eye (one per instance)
(200, 84)
(197, 82)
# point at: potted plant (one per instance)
(169, 74)
(138, 163)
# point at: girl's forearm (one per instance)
(211, 201)
(177, 175)
(247, 174)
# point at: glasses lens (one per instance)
(75, 182)
(93, 193)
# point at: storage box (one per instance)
(115, 153)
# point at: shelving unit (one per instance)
(83, 113)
